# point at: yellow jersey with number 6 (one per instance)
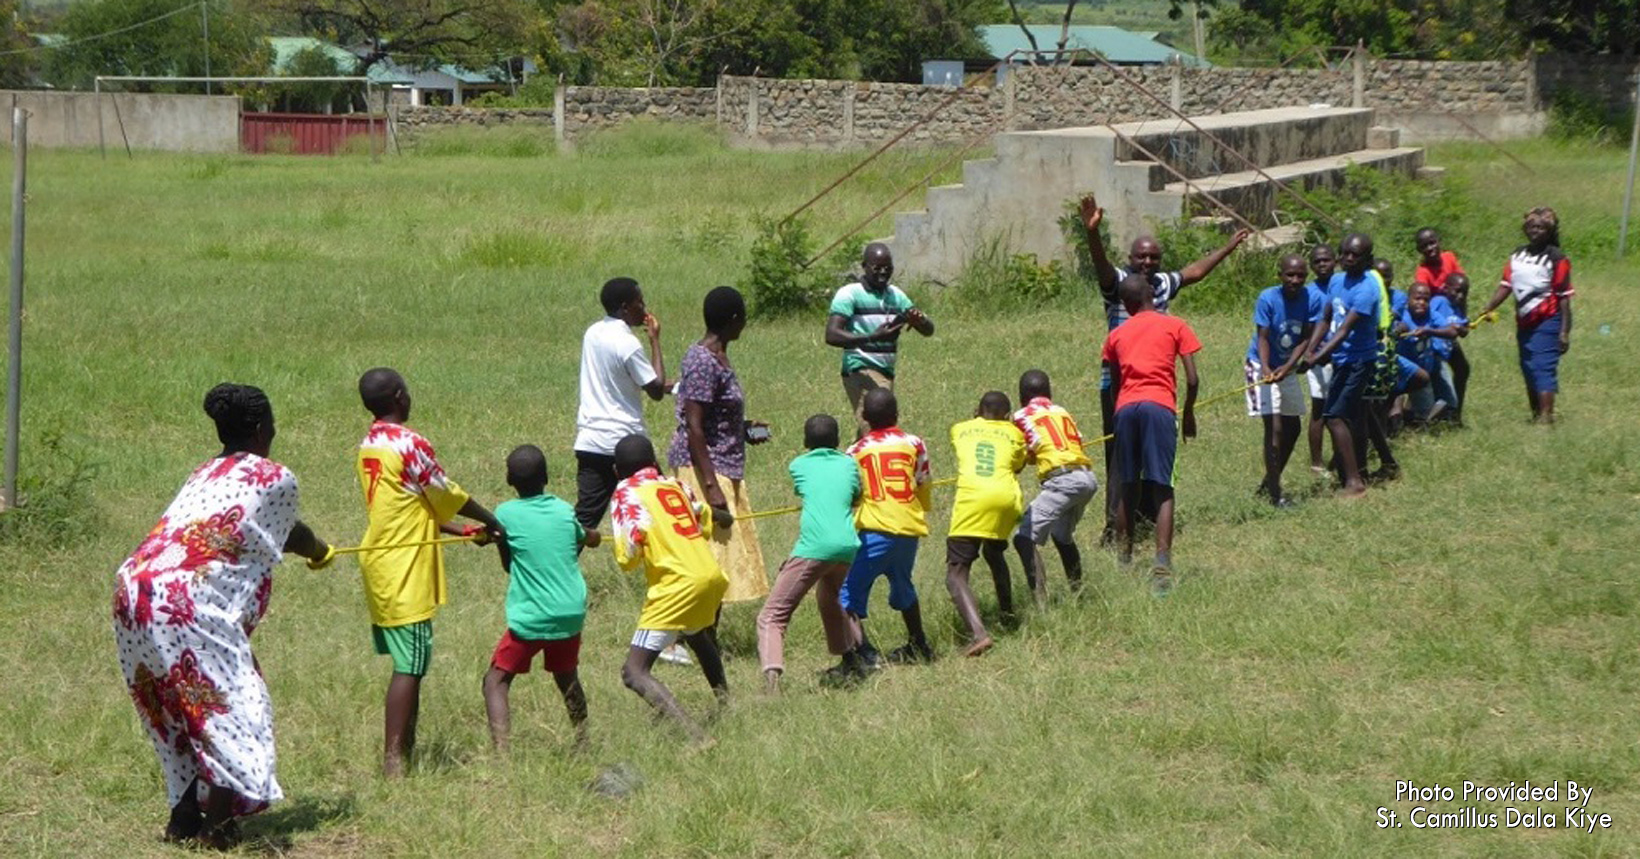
(989, 456)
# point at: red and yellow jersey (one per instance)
(894, 478)
(990, 454)
(1051, 438)
(659, 524)
(406, 496)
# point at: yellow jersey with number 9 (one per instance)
(660, 526)
(989, 456)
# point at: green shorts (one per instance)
(411, 646)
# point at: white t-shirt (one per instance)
(614, 369)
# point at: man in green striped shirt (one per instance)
(865, 322)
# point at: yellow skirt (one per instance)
(736, 549)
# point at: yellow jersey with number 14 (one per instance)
(894, 477)
(1051, 437)
(989, 456)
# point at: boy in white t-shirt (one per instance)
(615, 373)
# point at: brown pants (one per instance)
(857, 384)
(796, 577)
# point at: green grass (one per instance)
(1475, 620)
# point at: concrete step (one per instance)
(1264, 137)
(1282, 236)
(1254, 194)
(978, 171)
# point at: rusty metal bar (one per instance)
(892, 140)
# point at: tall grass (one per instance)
(1475, 620)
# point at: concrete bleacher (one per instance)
(1143, 173)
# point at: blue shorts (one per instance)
(1146, 441)
(1348, 389)
(1405, 369)
(1540, 355)
(880, 554)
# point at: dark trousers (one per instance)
(594, 484)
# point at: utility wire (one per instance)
(188, 8)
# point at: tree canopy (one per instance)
(110, 37)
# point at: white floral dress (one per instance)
(185, 604)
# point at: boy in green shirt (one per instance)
(828, 481)
(546, 598)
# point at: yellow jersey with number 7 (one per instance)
(894, 478)
(658, 524)
(990, 454)
(1051, 437)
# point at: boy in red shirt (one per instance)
(1141, 355)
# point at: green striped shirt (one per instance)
(867, 311)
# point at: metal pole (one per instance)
(14, 363)
(1628, 193)
(205, 27)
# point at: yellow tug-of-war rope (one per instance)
(777, 511)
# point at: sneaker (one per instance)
(848, 672)
(1161, 582)
(910, 654)
(676, 655)
(1385, 474)
(871, 658)
(1283, 503)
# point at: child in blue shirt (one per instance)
(1284, 317)
(1355, 303)
(1429, 329)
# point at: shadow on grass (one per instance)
(274, 833)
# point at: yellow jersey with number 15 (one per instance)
(989, 456)
(1051, 437)
(894, 477)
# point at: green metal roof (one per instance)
(1112, 43)
(285, 48)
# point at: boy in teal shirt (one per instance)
(546, 598)
(828, 481)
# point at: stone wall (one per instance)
(1502, 98)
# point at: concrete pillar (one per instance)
(751, 107)
(717, 96)
(1358, 87)
(1175, 74)
(1531, 79)
(848, 112)
(558, 111)
(455, 94)
(1010, 75)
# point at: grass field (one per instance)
(1476, 620)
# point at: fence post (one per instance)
(1010, 74)
(848, 112)
(1358, 87)
(558, 112)
(14, 366)
(751, 107)
(1634, 153)
(1176, 83)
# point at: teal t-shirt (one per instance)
(547, 595)
(867, 311)
(828, 481)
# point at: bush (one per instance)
(536, 92)
(1389, 207)
(776, 280)
(651, 138)
(1577, 115)
(995, 279)
(54, 496)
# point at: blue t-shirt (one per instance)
(1428, 351)
(1397, 302)
(1364, 295)
(1285, 319)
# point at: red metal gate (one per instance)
(309, 133)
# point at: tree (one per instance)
(473, 33)
(156, 37)
(16, 58)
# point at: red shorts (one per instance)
(558, 655)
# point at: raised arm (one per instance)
(1203, 267)
(658, 386)
(1092, 216)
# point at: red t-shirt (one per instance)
(1435, 278)
(1143, 352)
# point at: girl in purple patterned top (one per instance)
(708, 448)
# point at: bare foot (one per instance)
(392, 767)
(979, 647)
(1351, 493)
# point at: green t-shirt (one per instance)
(547, 597)
(867, 311)
(828, 481)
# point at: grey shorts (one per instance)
(1058, 507)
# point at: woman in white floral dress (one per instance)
(184, 606)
